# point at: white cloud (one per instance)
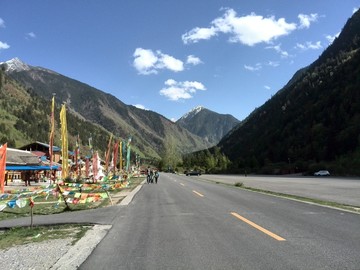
(30, 35)
(306, 20)
(277, 48)
(140, 106)
(267, 87)
(196, 34)
(2, 23)
(174, 90)
(149, 62)
(193, 60)
(257, 67)
(332, 38)
(273, 64)
(145, 61)
(169, 62)
(309, 46)
(248, 30)
(4, 46)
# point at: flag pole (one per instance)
(2, 167)
(64, 143)
(52, 131)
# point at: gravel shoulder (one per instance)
(53, 254)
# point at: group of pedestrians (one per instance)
(152, 176)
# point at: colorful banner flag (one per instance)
(121, 156)
(95, 166)
(64, 143)
(128, 150)
(87, 168)
(91, 145)
(52, 131)
(107, 158)
(77, 155)
(2, 167)
(115, 154)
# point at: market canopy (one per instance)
(30, 168)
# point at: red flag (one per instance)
(2, 166)
(107, 158)
(31, 202)
(95, 166)
(115, 154)
(77, 155)
(76, 162)
(87, 165)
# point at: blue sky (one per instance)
(170, 56)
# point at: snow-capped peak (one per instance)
(15, 64)
(193, 112)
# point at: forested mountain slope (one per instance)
(313, 122)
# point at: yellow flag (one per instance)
(64, 142)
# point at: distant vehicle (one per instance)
(322, 173)
(189, 173)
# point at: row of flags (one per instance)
(73, 193)
(119, 147)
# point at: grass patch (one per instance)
(24, 235)
(48, 207)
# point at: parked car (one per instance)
(189, 173)
(322, 173)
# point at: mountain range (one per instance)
(207, 124)
(153, 135)
(312, 123)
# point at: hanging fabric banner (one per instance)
(52, 132)
(87, 168)
(115, 154)
(64, 143)
(77, 156)
(121, 156)
(95, 166)
(91, 145)
(128, 148)
(107, 158)
(2, 167)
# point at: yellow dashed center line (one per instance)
(182, 184)
(273, 235)
(197, 193)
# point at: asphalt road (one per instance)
(340, 190)
(183, 223)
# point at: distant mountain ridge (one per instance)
(151, 132)
(207, 124)
(191, 113)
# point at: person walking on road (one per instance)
(156, 176)
(148, 175)
(151, 176)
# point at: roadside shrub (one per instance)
(239, 184)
